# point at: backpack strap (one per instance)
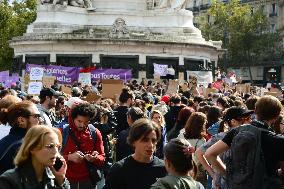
(93, 132)
(65, 135)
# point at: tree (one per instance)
(14, 19)
(245, 33)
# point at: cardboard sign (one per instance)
(34, 88)
(66, 90)
(157, 78)
(208, 91)
(243, 88)
(111, 88)
(85, 78)
(184, 87)
(172, 87)
(36, 73)
(271, 93)
(48, 81)
(92, 97)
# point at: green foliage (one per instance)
(14, 19)
(244, 34)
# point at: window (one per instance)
(274, 8)
(272, 28)
(194, 3)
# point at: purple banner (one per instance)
(64, 75)
(124, 74)
(11, 80)
(4, 75)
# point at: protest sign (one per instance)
(160, 69)
(157, 78)
(123, 74)
(64, 75)
(172, 87)
(184, 87)
(92, 97)
(4, 75)
(243, 88)
(34, 88)
(48, 81)
(85, 78)
(66, 90)
(36, 73)
(203, 77)
(11, 80)
(208, 91)
(271, 93)
(111, 88)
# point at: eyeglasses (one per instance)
(37, 116)
(158, 117)
(52, 146)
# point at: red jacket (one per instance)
(79, 171)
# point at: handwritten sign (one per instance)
(85, 78)
(36, 73)
(48, 81)
(34, 88)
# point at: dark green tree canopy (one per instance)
(14, 18)
(245, 33)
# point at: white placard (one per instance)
(160, 69)
(36, 73)
(268, 85)
(85, 78)
(203, 77)
(34, 88)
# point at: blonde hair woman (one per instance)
(159, 119)
(35, 162)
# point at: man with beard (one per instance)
(82, 145)
(48, 98)
(20, 116)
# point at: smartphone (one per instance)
(58, 164)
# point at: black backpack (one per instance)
(246, 164)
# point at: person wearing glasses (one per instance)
(20, 116)
(35, 162)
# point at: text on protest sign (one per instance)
(36, 73)
(123, 74)
(85, 78)
(34, 88)
(64, 75)
(160, 69)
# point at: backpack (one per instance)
(246, 165)
(66, 130)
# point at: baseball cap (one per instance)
(48, 92)
(236, 113)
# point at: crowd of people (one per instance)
(147, 138)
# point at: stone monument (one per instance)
(115, 33)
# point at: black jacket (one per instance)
(24, 177)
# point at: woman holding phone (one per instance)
(35, 162)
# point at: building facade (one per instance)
(268, 70)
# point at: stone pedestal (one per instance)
(124, 28)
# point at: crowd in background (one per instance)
(144, 138)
